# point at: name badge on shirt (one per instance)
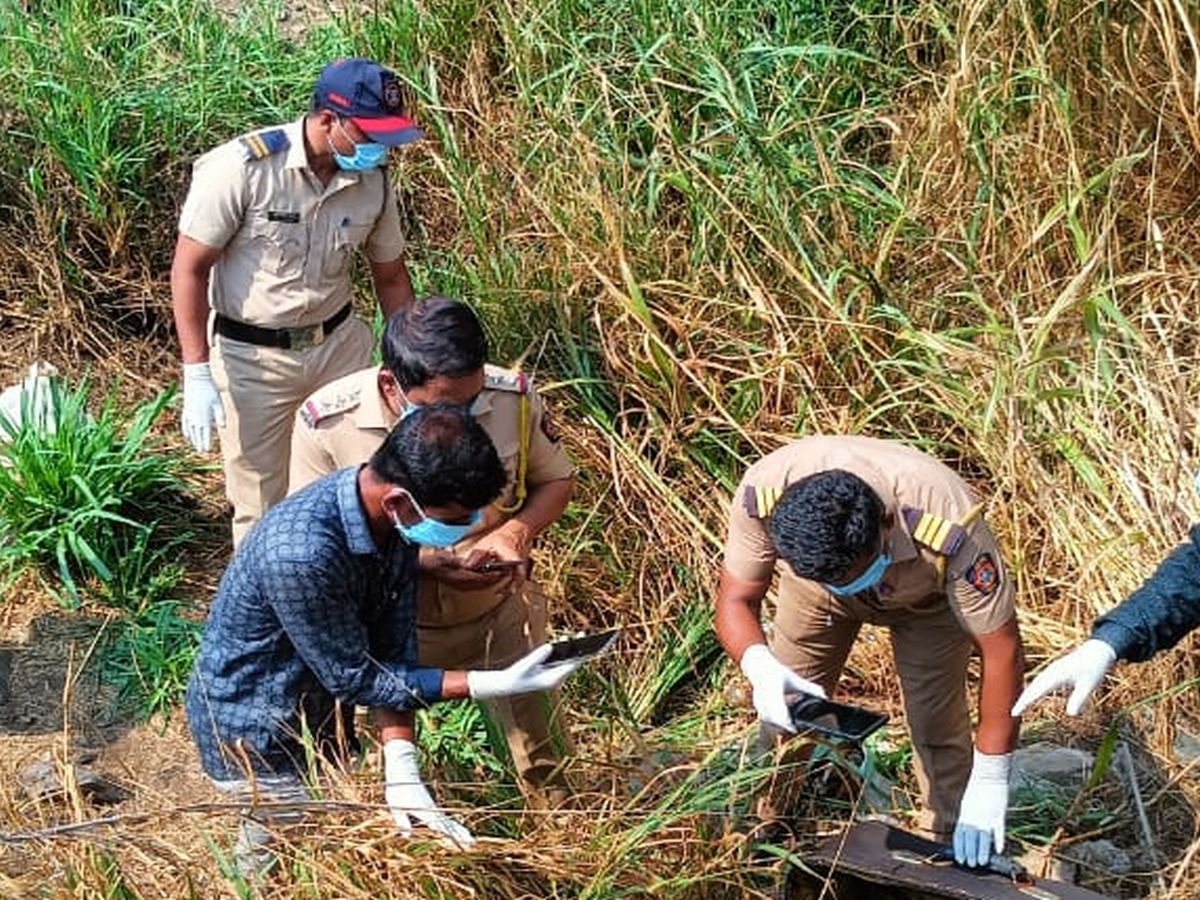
(282, 215)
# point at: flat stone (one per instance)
(1185, 747)
(43, 781)
(1100, 856)
(1041, 763)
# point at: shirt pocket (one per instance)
(280, 246)
(347, 238)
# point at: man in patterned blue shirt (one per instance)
(316, 614)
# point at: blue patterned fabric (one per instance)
(309, 620)
(1159, 613)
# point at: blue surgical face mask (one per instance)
(867, 580)
(366, 156)
(431, 532)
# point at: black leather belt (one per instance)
(283, 338)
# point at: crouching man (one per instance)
(317, 613)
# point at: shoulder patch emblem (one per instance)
(261, 144)
(939, 535)
(983, 574)
(506, 380)
(760, 501)
(321, 406)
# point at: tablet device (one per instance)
(837, 720)
(584, 646)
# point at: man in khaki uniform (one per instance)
(261, 280)
(877, 532)
(434, 352)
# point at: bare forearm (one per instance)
(393, 286)
(191, 267)
(738, 607)
(1003, 668)
(189, 301)
(543, 507)
(395, 724)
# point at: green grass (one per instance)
(77, 497)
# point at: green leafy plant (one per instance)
(77, 494)
(152, 658)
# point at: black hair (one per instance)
(430, 337)
(824, 524)
(442, 456)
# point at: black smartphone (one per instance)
(575, 647)
(504, 565)
(837, 720)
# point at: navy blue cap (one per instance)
(370, 96)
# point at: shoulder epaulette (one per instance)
(506, 380)
(940, 535)
(759, 501)
(261, 144)
(323, 404)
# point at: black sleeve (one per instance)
(1159, 613)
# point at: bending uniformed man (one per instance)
(267, 237)
(876, 532)
(435, 351)
(1153, 618)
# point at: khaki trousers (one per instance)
(499, 637)
(260, 389)
(813, 635)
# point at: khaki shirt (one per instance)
(972, 579)
(287, 240)
(344, 422)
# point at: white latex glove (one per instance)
(201, 406)
(524, 676)
(1082, 670)
(772, 682)
(981, 814)
(408, 799)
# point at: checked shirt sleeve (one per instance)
(319, 608)
(1158, 614)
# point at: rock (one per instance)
(1038, 764)
(1185, 747)
(1102, 856)
(42, 781)
(1041, 864)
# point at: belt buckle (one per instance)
(306, 338)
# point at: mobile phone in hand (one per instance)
(580, 647)
(492, 566)
(837, 720)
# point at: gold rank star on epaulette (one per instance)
(320, 407)
(261, 144)
(939, 535)
(759, 500)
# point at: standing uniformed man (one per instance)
(434, 351)
(1153, 618)
(263, 267)
(876, 532)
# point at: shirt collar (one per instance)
(354, 517)
(297, 157)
